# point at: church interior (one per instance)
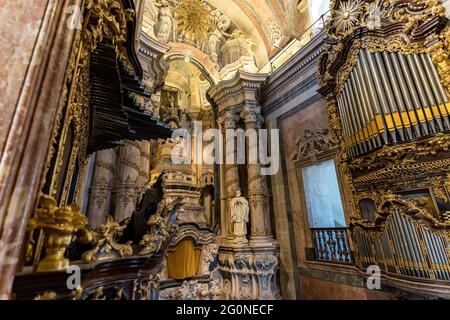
(352, 97)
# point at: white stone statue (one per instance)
(223, 23)
(165, 20)
(239, 216)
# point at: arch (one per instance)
(181, 51)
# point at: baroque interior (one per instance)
(97, 95)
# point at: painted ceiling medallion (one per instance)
(194, 20)
(347, 16)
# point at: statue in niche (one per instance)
(169, 109)
(165, 19)
(173, 110)
(239, 216)
(223, 24)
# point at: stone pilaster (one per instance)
(101, 187)
(258, 192)
(231, 173)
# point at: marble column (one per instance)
(35, 37)
(144, 172)
(127, 187)
(231, 173)
(101, 187)
(258, 192)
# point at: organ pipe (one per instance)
(391, 98)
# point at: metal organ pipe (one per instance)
(407, 96)
(413, 91)
(434, 260)
(403, 241)
(396, 252)
(365, 70)
(381, 93)
(368, 105)
(398, 96)
(389, 97)
(359, 116)
(421, 92)
(345, 124)
(398, 244)
(406, 234)
(435, 90)
(439, 253)
(416, 247)
(429, 95)
(437, 86)
(374, 95)
(354, 114)
(353, 122)
(363, 113)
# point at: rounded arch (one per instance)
(182, 51)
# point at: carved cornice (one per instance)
(296, 66)
(391, 202)
(243, 88)
(404, 154)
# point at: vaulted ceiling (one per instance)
(268, 23)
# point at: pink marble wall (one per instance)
(35, 49)
(313, 117)
(316, 289)
(20, 22)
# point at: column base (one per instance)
(249, 273)
(262, 241)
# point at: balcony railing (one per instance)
(332, 245)
(291, 48)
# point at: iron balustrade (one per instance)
(332, 245)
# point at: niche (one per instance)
(183, 260)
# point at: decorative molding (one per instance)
(312, 144)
